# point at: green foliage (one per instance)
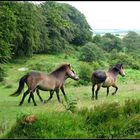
(131, 107)
(7, 30)
(2, 73)
(113, 120)
(91, 52)
(103, 113)
(110, 42)
(85, 71)
(47, 28)
(127, 60)
(42, 66)
(70, 104)
(50, 126)
(27, 34)
(107, 120)
(131, 41)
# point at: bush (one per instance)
(51, 125)
(70, 104)
(127, 60)
(110, 121)
(85, 71)
(2, 74)
(131, 107)
(91, 52)
(103, 113)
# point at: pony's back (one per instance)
(98, 77)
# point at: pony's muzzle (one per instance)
(123, 75)
(76, 78)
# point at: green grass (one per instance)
(9, 110)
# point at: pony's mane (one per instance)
(113, 67)
(60, 68)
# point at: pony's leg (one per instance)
(93, 86)
(115, 90)
(107, 91)
(24, 95)
(37, 91)
(32, 95)
(29, 99)
(62, 89)
(51, 95)
(57, 94)
(98, 88)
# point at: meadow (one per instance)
(62, 122)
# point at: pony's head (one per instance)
(70, 72)
(119, 68)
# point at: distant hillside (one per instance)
(118, 32)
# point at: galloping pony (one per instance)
(46, 82)
(106, 79)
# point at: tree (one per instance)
(27, 34)
(7, 30)
(91, 52)
(131, 42)
(110, 42)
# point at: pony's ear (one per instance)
(69, 65)
(121, 65)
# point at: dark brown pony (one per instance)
(106, 79)
(51, 93)
(51, 82)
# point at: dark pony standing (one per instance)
(106, 79)
(41, 81)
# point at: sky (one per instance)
(109, 14)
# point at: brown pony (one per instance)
(51, 93)
(106, 79)
(51, 82)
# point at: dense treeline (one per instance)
(50, 27)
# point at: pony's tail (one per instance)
(21, 86)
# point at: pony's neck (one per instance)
(60, 74)
(114, 73)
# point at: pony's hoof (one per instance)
(113, 94)
(20, 104)
(44, 102)
(60, 102)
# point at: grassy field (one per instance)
(129, 88)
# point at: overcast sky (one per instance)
(109, 14)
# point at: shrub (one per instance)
(91, 52)
(85, 71)
(70, 104)
(131, 107)
(2, 74)
(127, 60)
(103, 113)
